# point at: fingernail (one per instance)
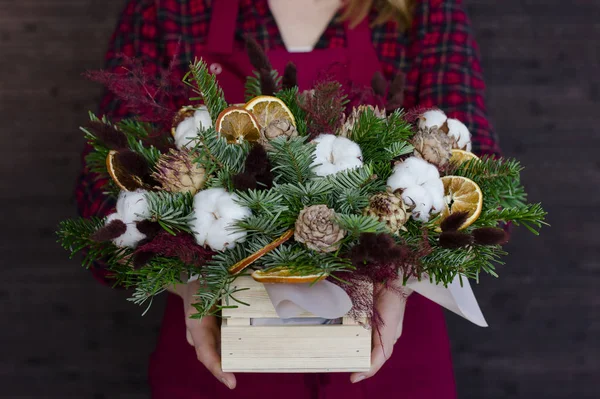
(224, 381)
(359, 379)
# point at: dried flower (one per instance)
(455, 239)
(181, 246)
(257, 174)
(490, 236)
(176, 172)
(433, 145)
(324, 106)
(389, 208)
(110, 231)
(276, 128)
(109, 135)
(290, 78)
(316, 227)
(454, 221)
(395, 95)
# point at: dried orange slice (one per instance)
(243, 264)
(462, 195)
(267, 109)
(461, 156)
(283, 275)
(125, 180)
(237, 124)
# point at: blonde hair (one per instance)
(400, 11)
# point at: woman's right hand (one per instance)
(203, 334)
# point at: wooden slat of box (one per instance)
(288, 348)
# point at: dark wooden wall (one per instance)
(63, 335)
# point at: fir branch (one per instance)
(353, 188)
(301, 261)
(205, 84)
(253, 86)
(173, 211)
(357, 224)
(298, 196)
(531, 216)
(216, 287)
(292, 159)
(382, 140)
(269, 202)
(290, 98)
(75, 235)
(214, 154)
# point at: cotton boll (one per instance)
(189, 128)
(216, 214)
(421, 187)
(132, 206)
(431, 118)
(460, 133)
(335, 154)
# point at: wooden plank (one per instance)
(298, 348)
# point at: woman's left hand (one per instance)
(390, 304)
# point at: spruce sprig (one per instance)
(205, 84)
(292, 159)
(216, 155)
(173, 211)
(253, 87)
(75, 235)
(531, 216)
(301, 261)
(290, 98)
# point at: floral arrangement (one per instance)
(292, 187)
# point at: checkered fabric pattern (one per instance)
(438, 54)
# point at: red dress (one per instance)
(421, 365)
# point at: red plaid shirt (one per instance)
(438, 54)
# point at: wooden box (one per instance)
(249, 348)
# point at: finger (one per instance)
(390, 305)
(206, 338)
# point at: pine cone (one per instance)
(177, 173)
(277, 128)
(353, 118)
(316, 228)
(389, 208)
(433, 146)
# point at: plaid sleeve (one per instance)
(450, 74)
(135, 36)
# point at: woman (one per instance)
(430, 41)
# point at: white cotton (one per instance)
(132, 235)
(334, 154)
(421, 187)
(431, 118)
(216, 213)
(132, 206)
(189, 128)
(460, 133)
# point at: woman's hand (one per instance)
(390, 304)
(203, 334)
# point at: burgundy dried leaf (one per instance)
(455, 239)
(132, 163)
(256, 53)
(244, 181)
(182, 246)
(114, 229)
(379, 84)
(141, 258)
(257, 160)
(290, 76)
(268, 86)
(110, 136)
(149, 228)
(454, 221)
(395, 96)
(490, 236)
